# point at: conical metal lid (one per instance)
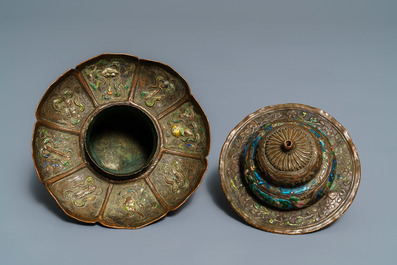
(289, 169)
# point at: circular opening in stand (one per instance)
(288, 144)
(121, 141)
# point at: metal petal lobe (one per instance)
(176, 178)
(159, 87)
(81, 195)
(186, 129)
(54, 152)
(66, 102)
(109, 76)
(132, 205)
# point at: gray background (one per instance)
(237, 56)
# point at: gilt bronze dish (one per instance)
(120, 141)
(289, 169)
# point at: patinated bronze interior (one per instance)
(289, 169)
(121, 140)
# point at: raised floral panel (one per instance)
(159, 87)
(81, 194)
(66, 102)
(55, 152)
(109, 77)
(186, 129)
(132, 205)
(176, 177)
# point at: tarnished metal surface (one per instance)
(120, 141)
(289, 169)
